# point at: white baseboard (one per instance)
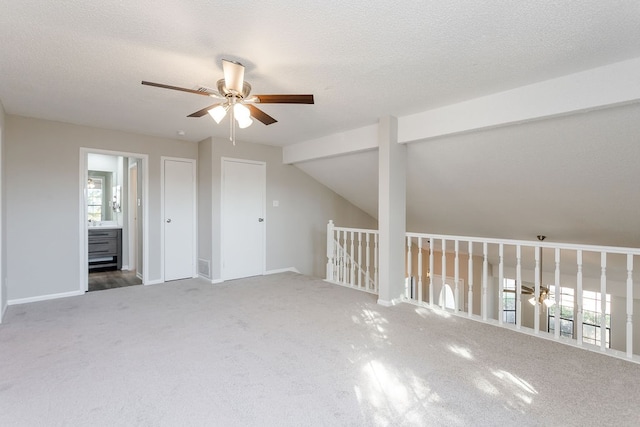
(215, 281)
(154, 282)
(44, 297)
(282, 270)
(125, 268)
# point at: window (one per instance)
(509, 301)
(565, 302)
(591, 317)
(94, 198)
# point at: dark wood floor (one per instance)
(109, 279)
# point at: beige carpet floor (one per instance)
(290, 350)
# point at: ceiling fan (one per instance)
(234, 97)
(529, 289)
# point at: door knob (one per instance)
(260, 219)
(169, 220)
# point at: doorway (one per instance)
(243, 219)
(179, 216)
(110, 202)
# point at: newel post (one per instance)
(330, 251)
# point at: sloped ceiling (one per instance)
(574, 179)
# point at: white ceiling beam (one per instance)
(601, 87)
(354, 140)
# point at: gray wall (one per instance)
(3, 216)
(42, 199)
(296, 230)
(205, 181)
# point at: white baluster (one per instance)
(352, 266)
(501, 283)
(629, 306)
(456, 276)
(470, 276)
(431, 271)
(420, 269)
(536, 294)
(603, 301)
(579, 316)
(518, 287)
(368, 258)
(331, 248)
(375, 261)
(557, 296)
(409, 270)
(485, 282)
(443, 294)
(359, 259)
(344, 257)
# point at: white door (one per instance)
(179, 219)
(243, 222)
(133, 218)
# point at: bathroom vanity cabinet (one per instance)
(105, 248)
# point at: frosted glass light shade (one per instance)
(244, 122)
(241, 112)
(218, 113)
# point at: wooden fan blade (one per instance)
(174, 88)
(285, 99)
(260, 115)
(204, 111)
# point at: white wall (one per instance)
(296, 229)
(42, 198)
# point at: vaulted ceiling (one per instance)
(572, 178)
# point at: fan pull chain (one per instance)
(232, 124)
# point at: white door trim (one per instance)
(83, 225)
(195, 213)
(222, 220)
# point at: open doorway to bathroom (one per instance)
(112, 219)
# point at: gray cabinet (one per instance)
(105, 248)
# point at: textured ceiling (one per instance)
(82, 62)
(572, 178)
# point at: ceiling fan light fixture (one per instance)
(244, 122)
(218, 112)
(532, 300)
(548, 302)
(241, 111)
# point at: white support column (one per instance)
(470, 275)
(603, 301)
(579, 297)
(456, 275)
(331, 249)
(501, 283)
(392, 162)
(629, 306)
(485, 281)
